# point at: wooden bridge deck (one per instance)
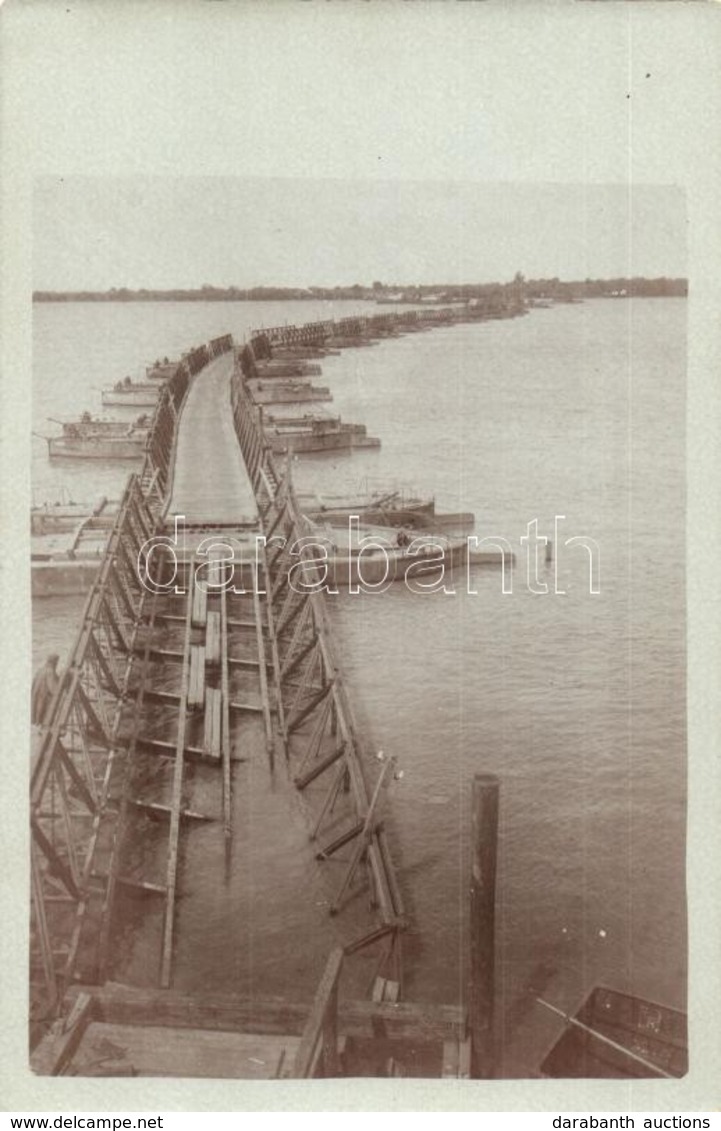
(210, 483)
(175, 693)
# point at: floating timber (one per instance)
(141, 394)
(97, 446)
(64, 517)
(290, 392)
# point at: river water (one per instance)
(576, 700)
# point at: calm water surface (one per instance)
(576, 701)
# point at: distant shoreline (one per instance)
(529, 291)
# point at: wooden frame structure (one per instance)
(81, 756)
(316, 724)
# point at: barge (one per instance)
(290, 392)
(320, 437)
(89, 425)
(64, 517)
(138, 394)
(66, 550)
(98, 446)
(161, 370)
(281, 369)
(391, 508)
(89, 438)
(364, 554)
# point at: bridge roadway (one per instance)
(210, 484)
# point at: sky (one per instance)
(97, 233)
(178, 143)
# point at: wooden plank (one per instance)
(450, 1060)
(211, 740)
(384, 989)
(212, 639)
(172, 699)
(275, 658)
(225, 733)
(161, 810)
(167, 749)
(147, 1006)
(481, 995)
(464, 1059)
(195, 695)
(265, 697)
(175, 804)
(55, 1053)
(160, 1051)
(200, 605)
(141, 885)
(389, 872)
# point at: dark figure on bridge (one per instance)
(45, 684)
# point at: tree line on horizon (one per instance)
(554, 289)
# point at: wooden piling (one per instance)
(484, 835)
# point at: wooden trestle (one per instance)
(316, 724)
(81, 758)
(155, 680)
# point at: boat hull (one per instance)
(391, 564)
(136, 398)
(656, 1033)
(301, 392)
(285, 369)
(161, 372)
(96, 447)
(323, 442)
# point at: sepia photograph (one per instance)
(354, 705)
(356, 639)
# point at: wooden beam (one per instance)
(264, 694)
(57, 867)
(212, 722)
(54, 1054)
(321, 1028)
(133, 1005)
(309, 707)
(225, 740)
(484, 835)
(212, 637)
(318, 768)
(174, 832)
(165, 810)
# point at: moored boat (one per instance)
(66, 551)
(387, 505)
(287, 392)
(88, 425)
(320, 437)
(65, 517)
(289, 421)
(141, 394)
(98, 446)
(161, 370)
(365, 554)
(283, 369)
(616, 1035)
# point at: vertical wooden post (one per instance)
(484, 835)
